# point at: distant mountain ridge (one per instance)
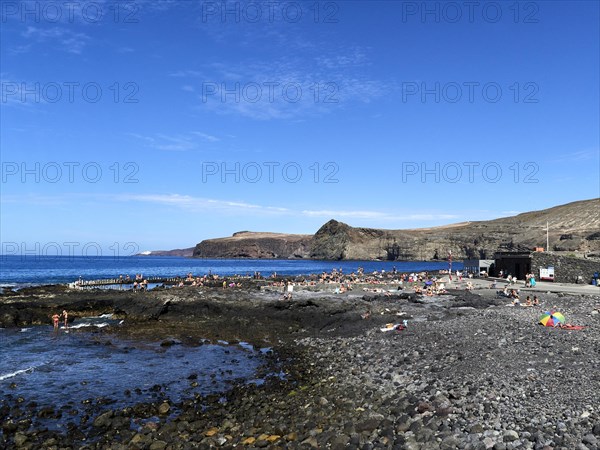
(573, 227)
(185, 252)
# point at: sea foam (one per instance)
(14, 374)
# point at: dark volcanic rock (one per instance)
(467, 372)
(466, 240)
(255, 245)
(573, 227)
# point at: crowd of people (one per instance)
(381, 282)
(378, 282)
(423, 283)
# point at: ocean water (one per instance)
(20, 271)
(76, 369)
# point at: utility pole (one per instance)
(547, 237)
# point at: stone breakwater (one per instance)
(468, 372)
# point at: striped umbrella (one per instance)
(552, 318)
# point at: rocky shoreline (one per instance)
(468, 371)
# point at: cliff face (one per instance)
(573, 228)
(336, 240)
(246, 244)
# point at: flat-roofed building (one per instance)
(477, 266)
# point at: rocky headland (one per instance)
(573, 229)
(247, 244)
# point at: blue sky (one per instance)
(165, 123)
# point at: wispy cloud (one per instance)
(205, 136)
(579, 156)
(159, 5)
(36, 199)
(314, 82)
(185, 73)
(18, 93)
(183, 202)
(70, 41)
(176, 143)
(344, 59)
(377, 215)
(195, 204)
(198, 204)
(285, 90)
(20, 49)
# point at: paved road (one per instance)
(541, 286)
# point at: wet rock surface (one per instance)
(468, 372)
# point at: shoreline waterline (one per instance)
(40, 270)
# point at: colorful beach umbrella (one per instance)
(552, 318)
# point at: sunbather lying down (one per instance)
(570, 326)
(394, 326)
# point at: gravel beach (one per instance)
(468, 371)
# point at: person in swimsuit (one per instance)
(66, 317)
(55, 319)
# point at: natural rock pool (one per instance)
(69, 373)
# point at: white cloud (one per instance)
(198, 204)
(377, 215)
(205, 136)
(579, 156)
(191, 203)
(20, 49)
(20, 93)
(176, 143)
(185, 73)
(353, 57)
(72, 42)
(291, 87)
(201, 204)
